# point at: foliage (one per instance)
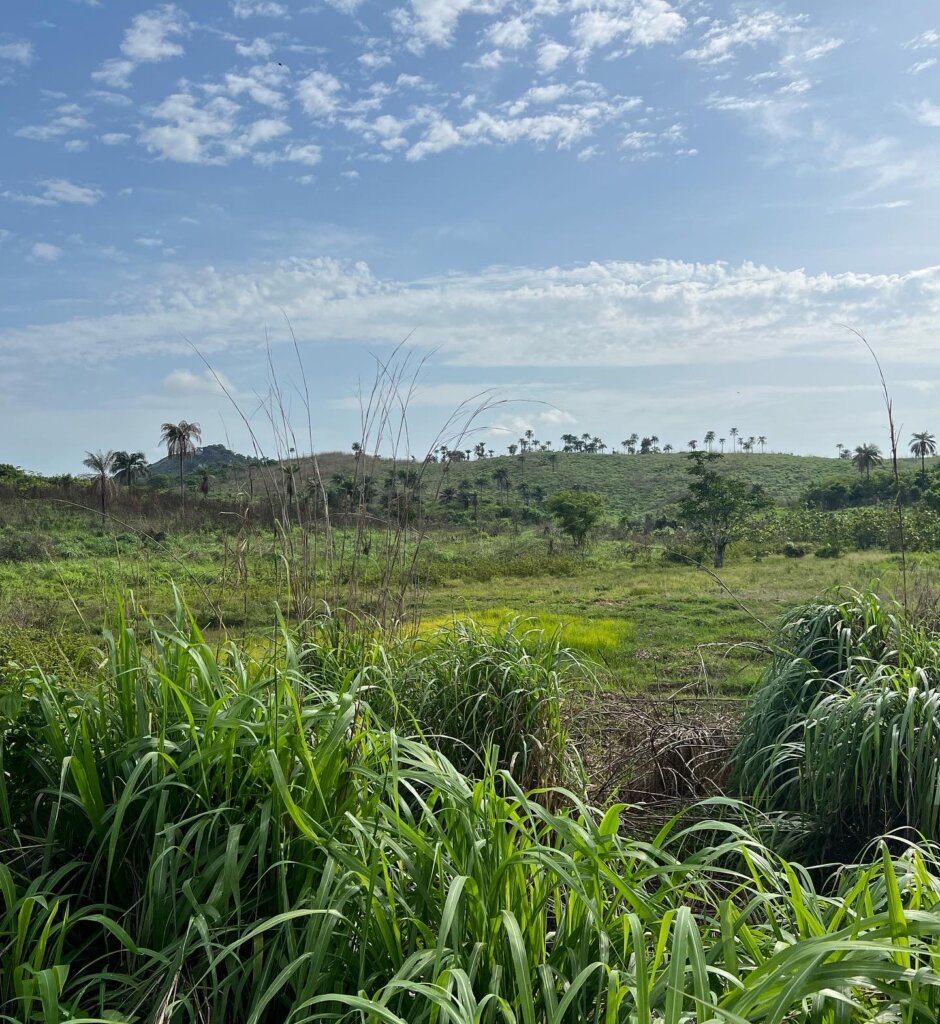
(843, 732)
(212, 835)
(576, 512)
(716, 507)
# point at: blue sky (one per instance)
(625, 215)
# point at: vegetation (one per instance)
(180, 440)
(842, 735)
(220, 835)
(716, 508)
(576, 512)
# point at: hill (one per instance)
(212, 456)
(633, 485)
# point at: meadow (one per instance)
(252, 771)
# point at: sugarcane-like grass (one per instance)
(216, 835)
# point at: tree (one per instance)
(128, 466)
(667, 448)
(692, 445)
(717, 507)
(709, 439)
(721, 441)
(101, 465)
(734, 433)
(576, 512)
(180, 440)
(762, 440)
(865, 457)
(922, 445)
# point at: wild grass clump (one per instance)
(845, 730)
(213, 835)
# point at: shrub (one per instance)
(24, 547)
(791, 550)
(843, 732)
(828, 551)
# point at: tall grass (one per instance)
(845, 730)
(227, 836)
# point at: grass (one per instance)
(645, 622)
(212, 835)
(842, 736)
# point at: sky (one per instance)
(603, 216)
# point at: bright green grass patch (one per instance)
(597, 638)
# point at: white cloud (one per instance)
(512, 34)
(190, 133)
(258, 9)
(115, 138)
(183, 383)
(318, 93)
(19, 51)
(263, 83)
(150, 37)
(58, 190)
(115, 73)
(925, 41)
(722, 39)
(43, 252)
(435, 21)
(921, 65)
(822, 49)
(149, 243)
(666, 312)
(928, 114)
(68, 120)
(258, 47)
(552, 55)
(643, 23)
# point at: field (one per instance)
(472, 774)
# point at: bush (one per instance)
(791, 550)
(24, 547)
(828, 551)
(843, 732)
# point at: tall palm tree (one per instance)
(101, 465)
(128, 466)
(667, 448)
(762, 440)
(180, 440)
(692, 445)
(751, 442)
(721, 441)
(923, 444)
(865, 457)
(709, 439)
(734, 433)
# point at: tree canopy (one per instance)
(576, 512)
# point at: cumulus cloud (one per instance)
(318, 93)
(185, 383)
(599, 314)
(258, 9)
(512, 34)
(56, 191)
(928, 114)
(68, 119)
(151, 37)
(642, 23)
(18, 51)
(722, 40)
(44, 252)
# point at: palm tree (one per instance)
(721, 441)
(128, 466)
(709, 439)
(923, 444)
(762, 440)
(840, 448)
(734, 433)
(865, 457)
(180, 440)
(692, 445)
(667, 448)
(101, 465)
(750, 443)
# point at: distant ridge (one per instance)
(212, 456)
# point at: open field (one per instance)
(646, 622)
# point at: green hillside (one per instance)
(637, 485)
(634, 485)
